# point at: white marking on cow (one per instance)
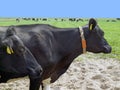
(46, 87)
(46, 84)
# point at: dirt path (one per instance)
(88, 74)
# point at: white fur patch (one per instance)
(46, 81)
(46, 87)
(46, 84)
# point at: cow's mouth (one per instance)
(107, 49)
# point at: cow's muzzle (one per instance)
(107, 49)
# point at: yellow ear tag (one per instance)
(9, 50)
(91, 26)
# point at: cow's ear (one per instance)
(92, 23)
(10, 31)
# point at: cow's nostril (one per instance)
(107, 49)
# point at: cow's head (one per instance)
(12, 43)
(12, 47)
(94, 36)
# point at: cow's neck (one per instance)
(69, 42)
(69, 49)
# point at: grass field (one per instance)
(111, 29)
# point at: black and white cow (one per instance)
(44, 52)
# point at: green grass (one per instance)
(111, 29)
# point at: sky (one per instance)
(60, 8)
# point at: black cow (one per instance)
(12, 48)
(72, 19)
(51, 47)
(17, 20)
(44, 19)
(118, 18)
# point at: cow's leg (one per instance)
(35, 78)
(46, 84)
(35, 83)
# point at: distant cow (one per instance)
(79, 19)
(107, 20)
(118, 18)
(17, 20)
(26, 19)
(50, 49)
(72, 19)
(113, 20)
(33, 19)
(44, 19)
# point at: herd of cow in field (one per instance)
(46, 19)
(62, 19)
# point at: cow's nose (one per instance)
(107, 49)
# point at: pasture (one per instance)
(111, 27)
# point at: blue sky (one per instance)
(60, 8)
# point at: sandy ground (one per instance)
(87, 74)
